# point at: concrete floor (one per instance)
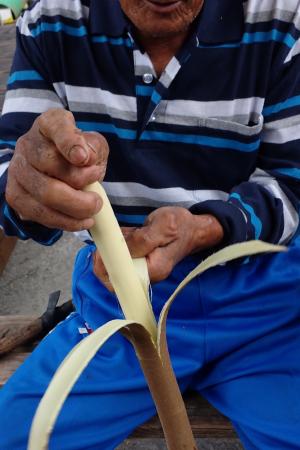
(33, 272)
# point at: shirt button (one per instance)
(147, 78)
(153, 118)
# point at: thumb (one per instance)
(77, 147)
(156, 233)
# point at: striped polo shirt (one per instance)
(218, 132)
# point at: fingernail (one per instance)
(91, 146)
(78, 155)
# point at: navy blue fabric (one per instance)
(216, 124)
(233, 335)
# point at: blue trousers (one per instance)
(233, 334)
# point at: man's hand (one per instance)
(168, 235)
(51, 165)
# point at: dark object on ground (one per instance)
(12, 336)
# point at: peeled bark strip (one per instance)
(123, 276)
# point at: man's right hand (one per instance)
(52, 163)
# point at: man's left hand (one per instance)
(168, 235)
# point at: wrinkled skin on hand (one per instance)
(168, 235)
(52, 163)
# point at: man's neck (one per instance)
(162, 50)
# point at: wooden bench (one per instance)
(206, 421)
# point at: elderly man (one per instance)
(198, 104)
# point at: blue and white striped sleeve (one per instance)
(29, 93)
(266, 206)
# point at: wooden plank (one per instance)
(15, 321)
(9, 364)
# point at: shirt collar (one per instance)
(220, 20)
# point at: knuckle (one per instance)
(171, 223)
(169, 216)
(23, 144)
(54, 114)
(66, 114)
(42, 124)
(53, 118)
(15, 200)
(19, 164)
(44, 151)
(144, 238)
(43, 120)
(10, 195)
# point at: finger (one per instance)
(59, 127)
(29, 209)
(160, 264)
(53, 193)
(144, 240)
(100, 271)
(46, 159)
